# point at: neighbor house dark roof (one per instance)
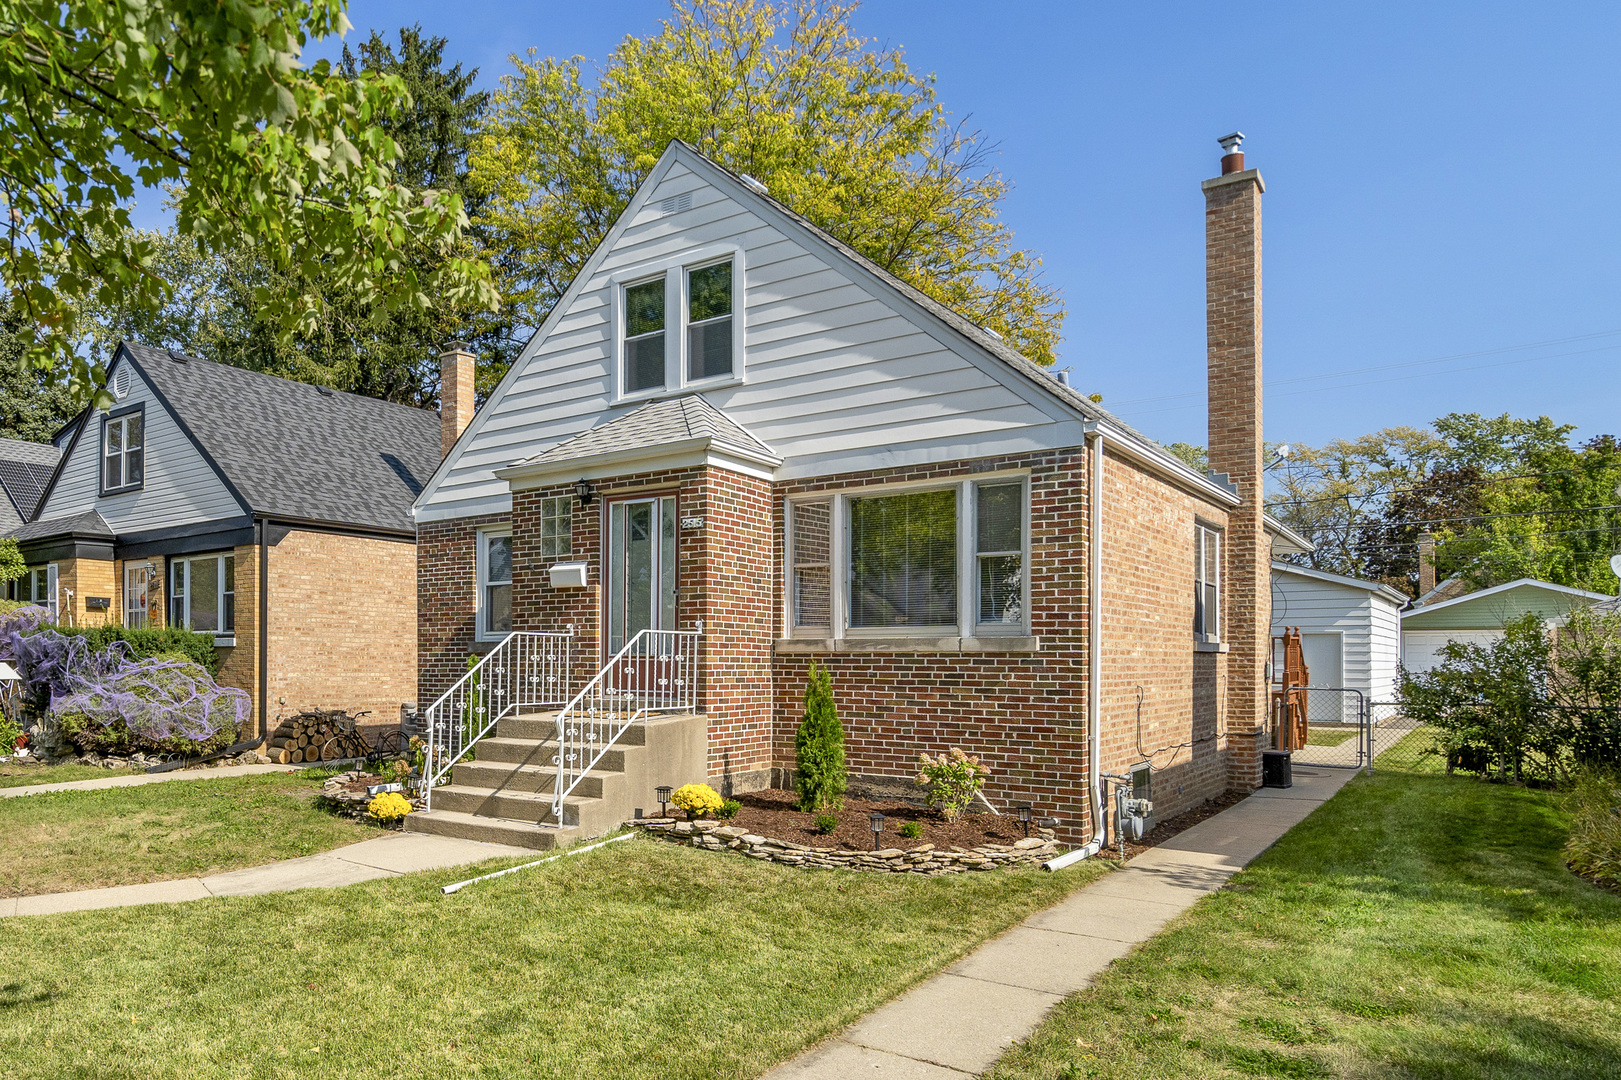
(25, 469)
(89, 525)
(658, 423)
(297, 451)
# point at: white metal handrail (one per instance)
(526, 669)
(656, 671)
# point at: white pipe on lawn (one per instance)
(1085, 851)
(1094, 645)
(448, 889)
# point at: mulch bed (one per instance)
(771, 813)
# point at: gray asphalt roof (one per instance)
(658, 423)
(300, 451)
(88, 524)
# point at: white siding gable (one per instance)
(180, 488)
(1369, 624)
(839, 376)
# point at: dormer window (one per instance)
(123, 452)
(678, 324)
(709, 322)
(644, 336)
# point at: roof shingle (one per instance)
(658, 423)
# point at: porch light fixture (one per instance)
(1024, 817)
(663, 791)
(585, 491)
(877, 820)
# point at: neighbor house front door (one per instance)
(640, 568)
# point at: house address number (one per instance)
(692, 522)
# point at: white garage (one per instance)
(1479, 617)
(1350, 629)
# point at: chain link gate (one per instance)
(1337, 727)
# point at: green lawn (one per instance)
(65, 840)
(1414, 926)
(17, 775)
(640, 960)
(1413, 752)
(1321, 736)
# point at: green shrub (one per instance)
(729, 808)
(1594, 847)
(819, 773)
(951, 780)
(147, 642)
(912, 830)
(9, 734)
(826, 823)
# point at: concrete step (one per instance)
(529, 752)
(542, 727)
(504, 776)
(490, 830)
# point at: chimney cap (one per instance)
(455, 346)
(1230, 143)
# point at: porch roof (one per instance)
(643, 439)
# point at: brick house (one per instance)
(272, 513)
(733, 423)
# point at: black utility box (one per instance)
(1275, 769)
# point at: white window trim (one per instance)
(222, 636)
(480, 580)
(132, 569)
(967, 625)
(674, 270)
(1201, 526)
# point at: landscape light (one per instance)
(877, 820)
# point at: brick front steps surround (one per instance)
(504, 795)
(924, 859)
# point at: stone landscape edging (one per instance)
(924, 859)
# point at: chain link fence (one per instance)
(1402, 744)
(1336, 722)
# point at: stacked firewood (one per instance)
(311, 735)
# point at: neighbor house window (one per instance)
(135, 591)
(1206, 583)
(123, 453)
(903, 560)
(644, 336)
(812, 564)
(202, 593)
(494, 584)
(556, 528)
(709, 321)
(999, 553)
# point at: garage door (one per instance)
(1421, 649)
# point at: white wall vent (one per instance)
(675, 204)
(121, 384)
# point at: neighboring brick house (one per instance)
(756, 429)
(273, 513)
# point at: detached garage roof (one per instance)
(1492, 609)
(1379, 589)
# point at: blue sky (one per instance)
(1442, 183)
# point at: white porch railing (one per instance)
(656, 671)
(526, 669)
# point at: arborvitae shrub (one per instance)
(819, 775)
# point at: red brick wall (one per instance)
(447, 588)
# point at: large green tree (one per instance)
(838, 128)
(208, 97)
(32, 407)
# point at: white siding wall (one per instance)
(836, 379)
(1369, 624)
(180, 487)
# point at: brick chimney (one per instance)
(1233, 330)
(1426, 563)
(455, 393)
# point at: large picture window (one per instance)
(123, 453)
(903, 560)
(494, 584)
(202, 593)
(1206, 583)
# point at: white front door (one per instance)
(640, 568)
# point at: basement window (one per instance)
(1206, 583)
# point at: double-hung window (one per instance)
(38, 586)
(202, 593)
(680, 325)
(123, 452)
(1206, 583)
(945, 560)
(494, 584)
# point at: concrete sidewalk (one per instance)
(962, 1020)
(384, 856)
(100, 782)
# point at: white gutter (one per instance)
(1094, 646)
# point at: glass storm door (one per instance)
(641, 568)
